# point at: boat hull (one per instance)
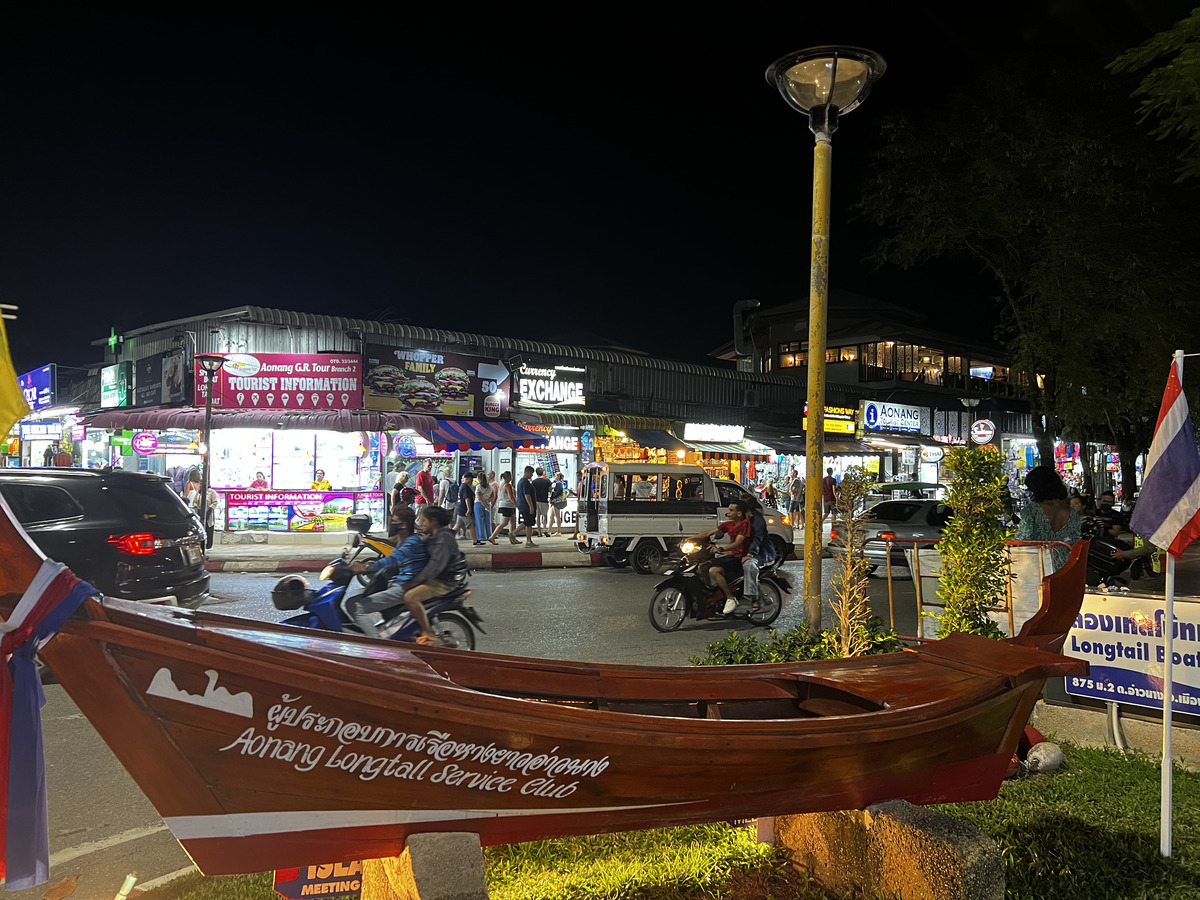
(267, 747)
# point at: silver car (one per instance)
(902, 520)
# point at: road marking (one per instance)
(133, 834)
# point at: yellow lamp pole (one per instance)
(823, 82)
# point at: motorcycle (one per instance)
(452, 620)
(685, 595)
(363, 542)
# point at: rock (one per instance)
(894, 849)
(1043, 758)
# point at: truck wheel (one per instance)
(647, 556)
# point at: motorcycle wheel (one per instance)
(770, 604)
(454, 631)
(668, 609)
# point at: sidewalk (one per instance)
(252, 553)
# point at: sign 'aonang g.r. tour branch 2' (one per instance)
(284, 381)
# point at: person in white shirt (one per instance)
(644, 489)
(443, 497)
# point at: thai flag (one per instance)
(53, 595)
(1168, 510)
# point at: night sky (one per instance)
(587, 171)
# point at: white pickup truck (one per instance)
(637, 513)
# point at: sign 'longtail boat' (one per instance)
(264, 746)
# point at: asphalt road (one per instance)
(102, 827)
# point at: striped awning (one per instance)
(466, 434)
(726, 451)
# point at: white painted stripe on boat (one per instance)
(188, 828)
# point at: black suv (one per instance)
(126, 533)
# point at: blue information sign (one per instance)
(1123, 639)
(40, 387)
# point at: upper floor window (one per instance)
(795, 353)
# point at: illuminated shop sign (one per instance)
(409, 379)
(714, 434)
(40, 387)
(548, 387)
(41, 431)
(877, 416)
(838, 419)
(284, 381)
(115, 384)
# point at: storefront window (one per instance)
(239, 454)
(338, 455)
(294, 463)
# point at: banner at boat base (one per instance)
(328, 880)
(1122, 637)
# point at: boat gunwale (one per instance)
(331, 676)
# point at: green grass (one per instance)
(1088, 831)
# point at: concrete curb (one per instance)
(551, 559)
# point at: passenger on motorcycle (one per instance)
(438, 577)
(761, 553)
(726, 564)
(409, 558)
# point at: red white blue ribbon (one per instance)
(53, 595)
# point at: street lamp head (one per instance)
(826, 81)
(210, 362)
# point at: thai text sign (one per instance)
(284, 381)
(429, 381)
(1122, 638)
(329, 880)
(879, 416)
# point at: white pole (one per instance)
(1165, 800)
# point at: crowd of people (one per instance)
(482, 507)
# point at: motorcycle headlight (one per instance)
(327, 572)
(687, 547)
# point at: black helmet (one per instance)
(289, 592)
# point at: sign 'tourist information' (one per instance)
(303, 381)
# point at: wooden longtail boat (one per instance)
(264, 746)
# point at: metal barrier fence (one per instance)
(913, 555)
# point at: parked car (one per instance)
(128, 534)
(637, 513)
(904, 520)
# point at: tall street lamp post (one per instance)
(211, 364)
(823, 82)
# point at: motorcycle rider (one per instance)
(727, 561)
(409, 558)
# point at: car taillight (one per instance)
(887, 535)
(140, 544)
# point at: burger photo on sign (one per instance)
(384, 380)
(453, 382)
(419, 394)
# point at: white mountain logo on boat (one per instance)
(218, 698)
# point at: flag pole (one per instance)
(1168, 767)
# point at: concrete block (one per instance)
(441, 866)
(894, 849)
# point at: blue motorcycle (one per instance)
(452, 620)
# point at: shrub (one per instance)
(972, 544)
